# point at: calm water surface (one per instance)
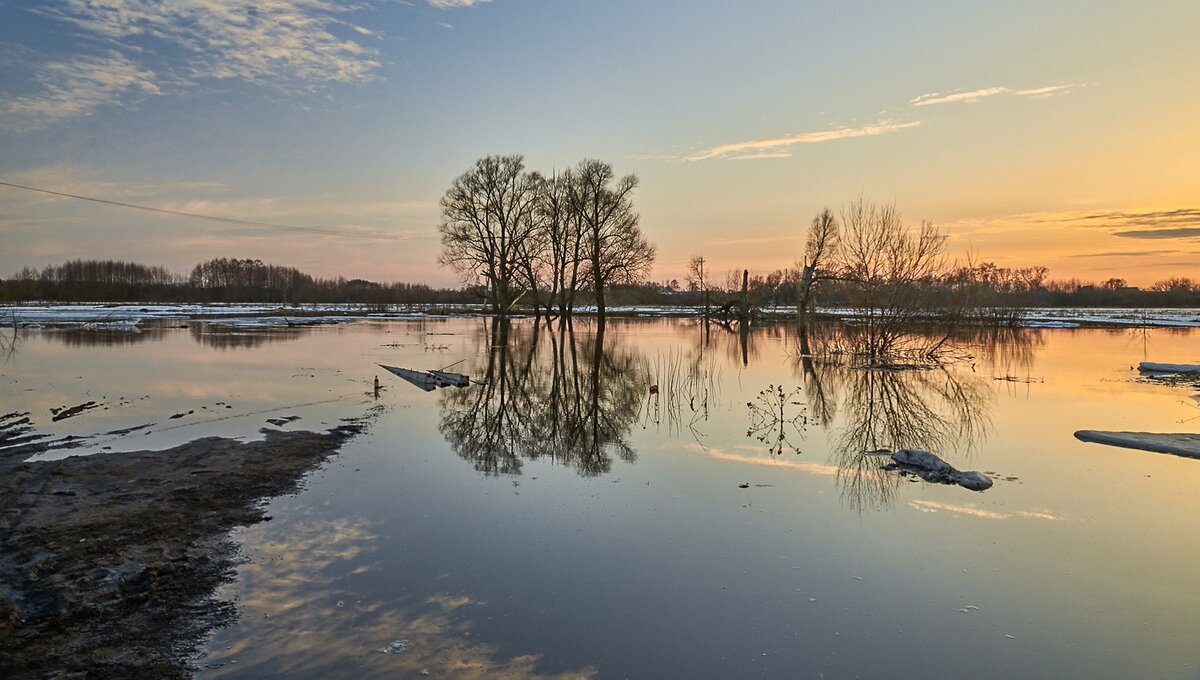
(567, 520)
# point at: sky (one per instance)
(1062, 134)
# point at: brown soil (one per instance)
(109, 562)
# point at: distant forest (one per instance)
(218, 280)
(245, 280)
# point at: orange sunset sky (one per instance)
(1061, 134)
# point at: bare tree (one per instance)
(614, 246)
(1175, 284)
(564, 240)
(889, 271)
(533, 252)
(487, 221)
(695, 278)
(819, 247)
(522, 233)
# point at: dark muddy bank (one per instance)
(108, 563)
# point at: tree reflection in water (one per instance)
(943, 408)
(547, 393)
(236, 338)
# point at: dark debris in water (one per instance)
(280, 422)
(20, 440)
(64, 412)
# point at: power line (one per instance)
(180, 213)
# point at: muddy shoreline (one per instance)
(109, 563)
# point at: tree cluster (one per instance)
(224, 272)
(543, 240)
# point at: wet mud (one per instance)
(109, 562)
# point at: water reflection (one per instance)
(552, 392)
(944, 408)
(84, 337)
(208, 334)
(739, 341)
(303, 615)
(9, 339)
(233, 338)
(547, 392)
(1006, 353)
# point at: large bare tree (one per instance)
(563, 239)
(614, 246)
(889, 271)
(487, 225)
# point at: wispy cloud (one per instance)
(78, 179)
(762, 155)
(934, 98)
(776, 147)
(1182, 232)
(77, 87)
(1150, 218)
(291, 44)
(274, 216)
(971, 96)
(1045, 91)
(752, 240)
(1181, 223)
(450, 4)
(1128, 253)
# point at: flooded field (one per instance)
(656, 499)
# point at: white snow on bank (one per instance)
(127, 316)
(1038, 323)
(1183, 318)
(1075, 317)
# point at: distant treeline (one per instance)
(980, 285)
(245, 280)
(218, 280)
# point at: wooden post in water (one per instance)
(745, 308)
(744, 317)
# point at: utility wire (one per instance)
(227, 220)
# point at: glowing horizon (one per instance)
(1066, 142)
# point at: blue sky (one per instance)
(1059, 133)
